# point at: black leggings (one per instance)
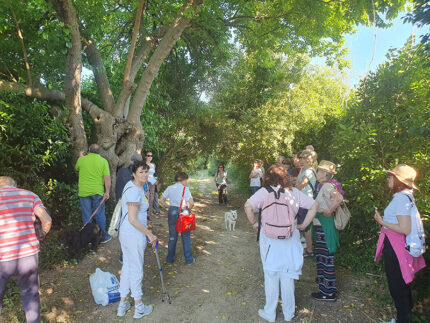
(222, 193)
(399, 290)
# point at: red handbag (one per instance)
(185, 222)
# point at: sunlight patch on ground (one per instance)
(210, 242)
(67, 301)
(58, 315)
(204, 227)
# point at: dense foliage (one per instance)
(238, 85)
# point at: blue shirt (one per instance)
(174, 194)
(133, 194)
(399, 205)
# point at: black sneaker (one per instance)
(323, 297)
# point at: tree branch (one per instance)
(133, 40)
(24, 52)
(169, 40)
(51, 96)
(100, 76)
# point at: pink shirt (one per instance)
(408, 265)
(296, 198)
(17, 235)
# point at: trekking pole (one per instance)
(164, 292)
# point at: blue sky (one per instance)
(360, 46)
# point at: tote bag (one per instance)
(186, 221)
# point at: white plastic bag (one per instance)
(116, 220)
(105, 287)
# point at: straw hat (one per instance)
(405, 174)
(327, 166)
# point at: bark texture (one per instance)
(117, 124)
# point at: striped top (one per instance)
(17, 235)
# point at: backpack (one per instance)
(415, 242)
(277, 215)
(314, 188)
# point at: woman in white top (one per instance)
(133, 235)
(400, 217)
(256, 176)
(174, 194)
(282, 259)
(153, 181)
(306, 183)
(220, 180)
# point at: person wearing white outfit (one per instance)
(133, 235)
(282, 260)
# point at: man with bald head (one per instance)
(94, 186)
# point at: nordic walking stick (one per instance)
(164, 292)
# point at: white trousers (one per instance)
(133, 250)
(272, 280)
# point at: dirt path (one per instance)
(225, 283)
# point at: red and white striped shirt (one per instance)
(17, 235)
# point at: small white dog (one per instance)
(230, 220)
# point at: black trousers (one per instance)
(222, 193)
(399, 290)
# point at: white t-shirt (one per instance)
(174, 194)
(256, 182)
(282, 255)
(310, 174)
(399, 205)
(133, 194)
(151, 170)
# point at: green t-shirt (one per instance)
(92, 168)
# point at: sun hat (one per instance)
(405, 174)
(136, 157)
(327, 166)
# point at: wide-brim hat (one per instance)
(327, 166)
(405, 174)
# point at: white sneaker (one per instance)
(263, 315)
(142, 310)
(123, 308)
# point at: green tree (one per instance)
(59, 37)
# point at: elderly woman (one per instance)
(133, 236)
(400, 266)
(326, 236)
(306, 183)
(282, 259)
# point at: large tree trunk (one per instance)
(72, 85)
(119, 131)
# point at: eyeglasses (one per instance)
(148, 155)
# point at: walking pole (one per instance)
(164, 292)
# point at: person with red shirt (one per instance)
(19, 246)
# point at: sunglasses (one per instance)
(148, 155)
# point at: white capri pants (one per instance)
(133, 250)
(272, 280)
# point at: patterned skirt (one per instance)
(326, 277)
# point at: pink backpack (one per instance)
(277, 215)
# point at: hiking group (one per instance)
(294, 197)
(299, 196)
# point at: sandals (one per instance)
(308, 254)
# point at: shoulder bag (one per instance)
(186, 221)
